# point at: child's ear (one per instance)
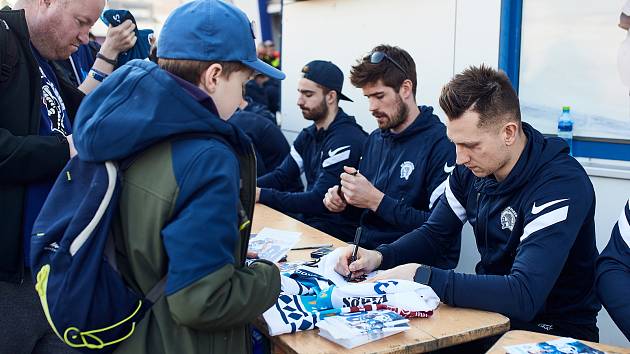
(210, 78)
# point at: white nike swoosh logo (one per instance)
(332, 153)
(447, 168)
(538, 209)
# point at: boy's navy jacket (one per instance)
(107, 131)
(535, 233)
(321, 155)
(411, 169)
(269, 143)
(613, 273)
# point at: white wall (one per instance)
(443, 37)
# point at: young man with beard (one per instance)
(37, 107)
(320, 152)
(531, 206)
(406, 160)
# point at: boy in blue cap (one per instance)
(320, 151)
(188, 192)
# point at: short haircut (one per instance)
(364, 72)
(483, 90)
(191, 70)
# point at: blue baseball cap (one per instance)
(211, 30)
(326, 74)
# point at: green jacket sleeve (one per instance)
(227, 297)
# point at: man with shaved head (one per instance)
(37, 107)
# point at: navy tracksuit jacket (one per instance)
(320, 155)
(270, 145)
(259, 109)
(411, 169)
(613, 273)
(536, 236)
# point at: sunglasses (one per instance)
(377, 57)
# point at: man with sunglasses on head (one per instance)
(406, 160)
(320, 152)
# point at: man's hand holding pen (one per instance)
(366, 261)
(358, 191)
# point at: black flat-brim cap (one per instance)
(326, 74)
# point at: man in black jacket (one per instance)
(37, 108)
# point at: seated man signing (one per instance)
(531, 206)
(405, 161)
(320, 151)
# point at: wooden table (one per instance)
(525, 337)
(448, 326)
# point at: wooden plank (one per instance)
(525, 337)
(310, 342)
(448, 326)
(452, 325)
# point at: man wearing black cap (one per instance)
(406, 161)
(320, 151)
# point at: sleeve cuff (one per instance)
(439, 282)
(388, 256)
(265, 196)
(386, 207)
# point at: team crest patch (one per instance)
(405, 170)
(508, 218)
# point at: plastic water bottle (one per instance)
(565, 127)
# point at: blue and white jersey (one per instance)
(535, 233)
(613, 273)
(320, 155)
(411, 169)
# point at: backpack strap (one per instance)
(156, 291)
(8, 54)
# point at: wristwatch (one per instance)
(423, 275)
